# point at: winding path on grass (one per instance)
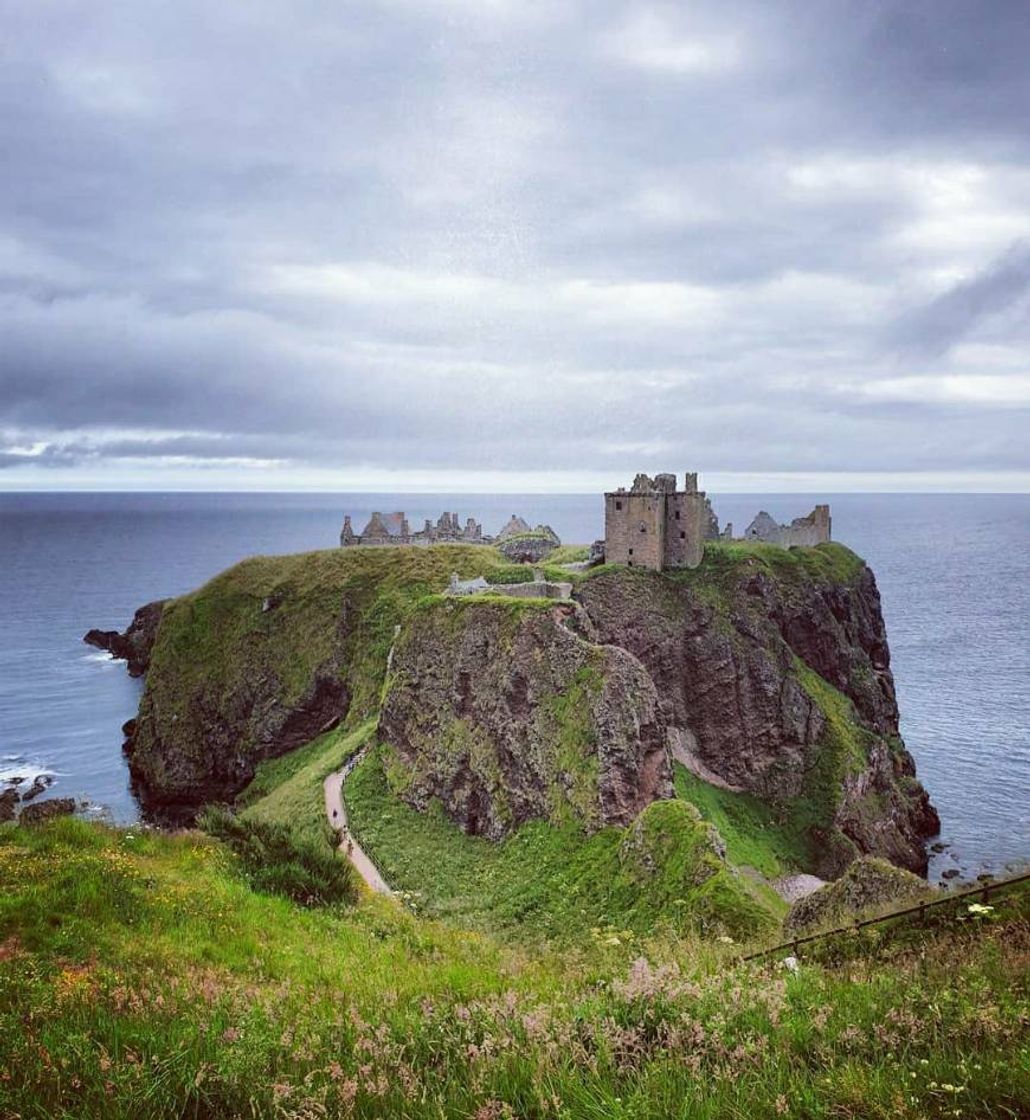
(336, 813)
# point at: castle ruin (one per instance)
(654, 525)
(394, 529)
(517, 539)
(812, 529)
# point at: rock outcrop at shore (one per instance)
(503, 714)
(8, 804)
(135, 644)
(40, 811)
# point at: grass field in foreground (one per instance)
(140, 977)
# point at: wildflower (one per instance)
(781, 1105)
(978, 910)
(725, 939)
(791, 964)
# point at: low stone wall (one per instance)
(537, 589)
(534, 589)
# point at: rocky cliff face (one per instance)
(764, 671)
(774, 676)
(504, 713)
(267, 656)
(223, 738)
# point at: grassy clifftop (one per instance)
(286, 615)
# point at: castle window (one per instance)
(677, 515)
(618, 505)
(631, 552)
(643, 526)
(683, 536)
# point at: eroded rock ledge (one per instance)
(134, 645)
(779, 678)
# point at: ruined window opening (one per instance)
(643, 526)
(631, 552)
(677, 515)
(683, 536)
(618, 505)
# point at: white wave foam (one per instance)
(100, 656)
(24, 770)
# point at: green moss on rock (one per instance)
(869, 886)
(266, 655)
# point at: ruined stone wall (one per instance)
(811, 530)
(815, 528)
(685, 519)
(654, 525)
(446, 530)
(634, 529)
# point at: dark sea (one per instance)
(954, 573)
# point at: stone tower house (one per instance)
(654, 525)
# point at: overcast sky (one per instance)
(481, 244)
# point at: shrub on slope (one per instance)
(274, 860)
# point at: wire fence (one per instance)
(983, 891)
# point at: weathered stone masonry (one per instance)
(807, 531)
(654, 525)
(393, 529)
(517, 539)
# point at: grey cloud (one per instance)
(552, 252)
(934, 328)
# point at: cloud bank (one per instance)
(480, 245)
